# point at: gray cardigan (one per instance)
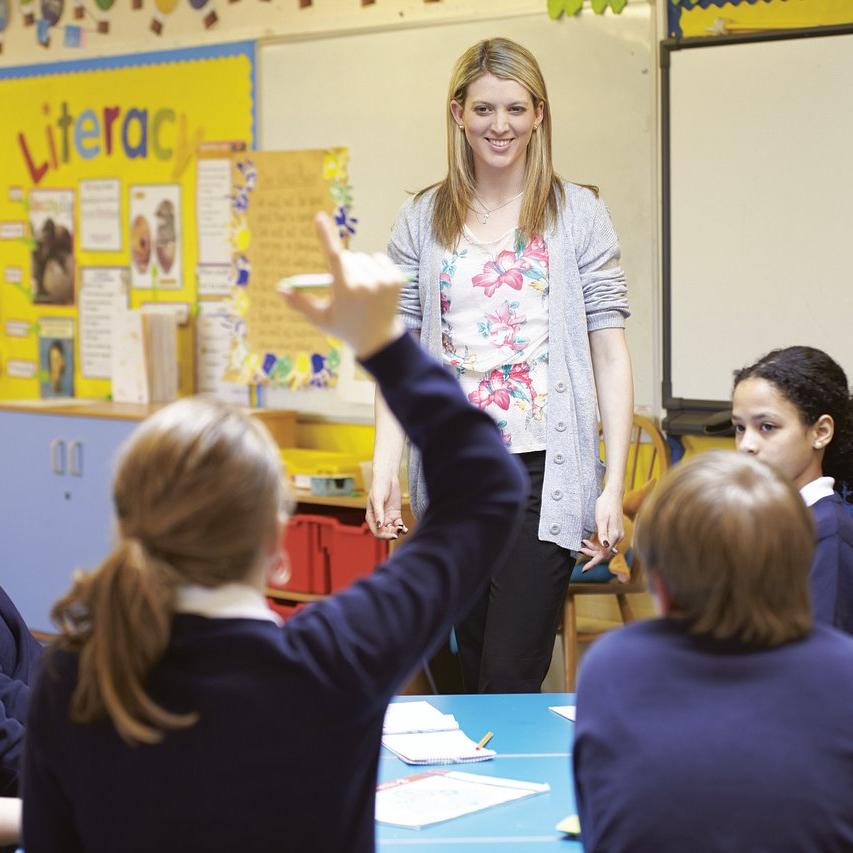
(586, 292)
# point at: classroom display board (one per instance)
(383, 95)
(99, 208)
(758, 205)
(272, 201)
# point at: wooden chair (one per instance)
(648, 458)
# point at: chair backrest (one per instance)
(648, 459)
(648, 454)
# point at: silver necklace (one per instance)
(484, 214)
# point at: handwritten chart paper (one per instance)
(213, 211)
(100, 215)
(275, 196)
(103, 295)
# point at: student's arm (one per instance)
(367, 639)
(11, 732)
(372, 635)
(14, 697)
(47, 820)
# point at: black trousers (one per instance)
(506, 641)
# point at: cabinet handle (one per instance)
(75, 458)
(57, 456)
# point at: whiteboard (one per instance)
(383, 95)
(760, 206)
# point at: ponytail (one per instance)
(198, 491)
(838, 456)
(119, 619)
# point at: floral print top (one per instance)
(494, 322)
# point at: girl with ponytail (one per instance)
(793, 410)
(177, 712)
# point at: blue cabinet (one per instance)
(55, 503)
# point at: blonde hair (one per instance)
(732, 543)
(197, 492)
(543, 188)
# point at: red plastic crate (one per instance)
(284, 610)
(308, 561)
(352, 552)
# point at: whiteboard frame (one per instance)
(686, 415)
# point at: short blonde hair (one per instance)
(197, 492)
(543, 188)
(732, 543)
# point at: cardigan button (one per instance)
(559, 459)
(560, 386)
(554, 528)
(556, 494)
(560, 426)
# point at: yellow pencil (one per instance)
(485, 739)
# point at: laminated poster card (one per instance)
(56, 356)
(275, 195)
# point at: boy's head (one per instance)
(729, 543)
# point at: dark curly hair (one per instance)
(817, 386)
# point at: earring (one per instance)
(279, 573)
(461, 126)
(818, 445)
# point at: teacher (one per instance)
(515, 283)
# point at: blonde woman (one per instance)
(515, 284)
(177, 713)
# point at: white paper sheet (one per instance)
(213, 211)
(408, 717)
(213, 341)
(428, 798)
(100, 215)
(103, 294)
(567, 711)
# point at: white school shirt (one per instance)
(229, 601)
(817, 489)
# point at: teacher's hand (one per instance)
(611, 529)
(384, 507)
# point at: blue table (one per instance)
(533, 744)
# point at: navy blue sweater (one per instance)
(687, 745)
(19, 654)
(831, 577)
(285, 752)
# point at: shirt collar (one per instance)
(229, 601)
(820, 488)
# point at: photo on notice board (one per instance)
(52, 225)
(56, 356)
(155, 236)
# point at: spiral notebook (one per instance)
(418, 733)
(436, 747)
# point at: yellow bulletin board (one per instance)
(98, 200)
